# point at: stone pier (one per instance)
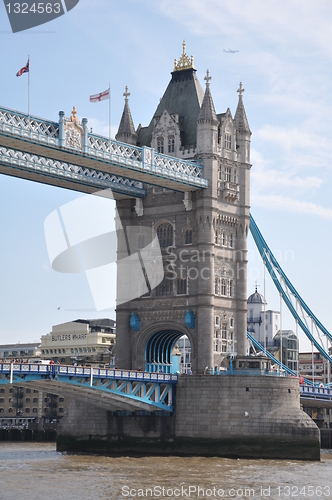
(227, 416)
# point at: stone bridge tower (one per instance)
(202, 234)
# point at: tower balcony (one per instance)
(231, 191)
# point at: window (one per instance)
(231, 288)
(10, 410)
(220, 173)
(165, 235)
(2, 410)
(61, 409)
(160, 144)
(223, 331)
(217, 320)
(27, 410)
(28, 391)
(223, 239)
(188, 236)
(235, 176)
(223, 348)
(2, 390)
(231, 322)
(35, 400)
(34, 410)
(181, 286)
(228, 174)
(2, 400)
(231, 240)
(223, 287)
(216, 237)
(171, 144)
(216, 286)
(27, 400)
(165, 287)
(228, 141)
(61, 399)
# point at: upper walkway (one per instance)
(66, 154)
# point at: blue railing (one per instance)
(78, 371)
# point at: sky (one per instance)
(284, 62)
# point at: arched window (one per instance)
(160, 144)
(171, 144)
(188, 237)
(216, 286)
(223, 287)
(165, 235)
(181, 286)
(166, 286)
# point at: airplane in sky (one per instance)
(230, 51)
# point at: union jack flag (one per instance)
(25, 69)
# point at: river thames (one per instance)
(35, 471)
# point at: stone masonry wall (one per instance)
(239, 416)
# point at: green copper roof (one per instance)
(183, 96)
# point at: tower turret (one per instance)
(243, 131)
(126, 132)
(207, 122)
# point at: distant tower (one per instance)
(203, 235)
(126, 132)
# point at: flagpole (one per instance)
(29, 87)
(109, 112)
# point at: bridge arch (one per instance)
(155, 347)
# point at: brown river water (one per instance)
(35, 471)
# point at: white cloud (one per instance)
(285, 204)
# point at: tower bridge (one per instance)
(185, 177)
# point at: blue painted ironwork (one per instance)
(319, 393)
(41, 166)
(129, 158)
(135, 322)
(152, 389)
(286, 290)
(275, 360)
(190, 319)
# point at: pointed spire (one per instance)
(126, 132)
(207, 112)
(240, 118)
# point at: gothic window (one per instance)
(165, 235)
(165, 287)
(231, 322)
(216, 286)
(235, 176)
(188, 236)
(223, 239)
(171, 144)
(223, 348)
(160, 144)
(220, 173)
(224, 331)
(231, 240)
(217, 320)
(228, 141)
(228, 174)
(216, 237)
(231, 291)
(223, 287)
(181, 286)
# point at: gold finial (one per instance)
(73, 117)
(184, 62)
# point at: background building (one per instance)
(81, 341)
